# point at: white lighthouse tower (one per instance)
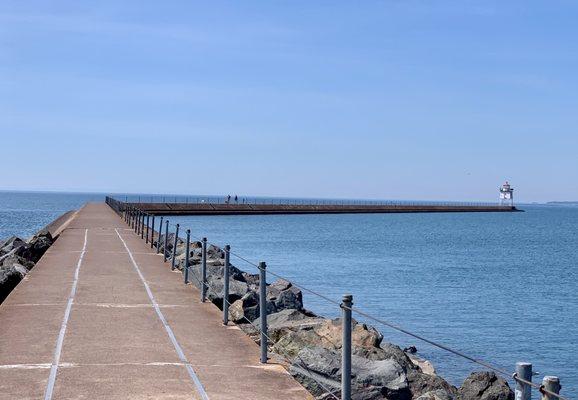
(506, 195)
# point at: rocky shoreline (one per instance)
(18, 257)
(309, 347)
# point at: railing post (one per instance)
(166, 240)
(204, 270)
(175, 247)
(159, 237)
(552, 384)
(153, 231)
(524, 371)
(226, 286)
(142, 226)
(263, 309)
(346, 304)
(147, 234)
(138, 213)
(187, 249)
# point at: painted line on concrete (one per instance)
(60, 340)
(172, 337)
(25, 366)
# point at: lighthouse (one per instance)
(506, 195)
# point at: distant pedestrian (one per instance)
(236, 199)
(228, 199)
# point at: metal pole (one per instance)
(187, 249)
(226, 286)
(153, 231)
(552, 384)
(175, 247)
(166, 240)
(524, 371)
(159, 238)
(142, 223)
(263, 310)
(147, 236)
(346, 304)
(204, 271)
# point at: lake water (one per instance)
(502, 287)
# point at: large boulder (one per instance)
(424, 365)
(36, 247)
(285, 295)
(362, 335)
(319, 369)
(283, 322)
(237, 290)
(10, 276)
(291, 336)
(421, 383)
(12, 259)
(438, 394)
(10, 244)
(247, 309)
(485, 386)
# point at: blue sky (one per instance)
(375, 99)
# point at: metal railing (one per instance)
(139, 220)
(180, 199)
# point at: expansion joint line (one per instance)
(60, 340)
(168, 329)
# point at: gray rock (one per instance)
(12, 259)
(370, 379)
(285, 295)
(10, 244)
(36, 247)
(9, 278)
(436, 395)
(421, 383)
(280, 323)
(485, 386)
(237, 290)
(247, 308)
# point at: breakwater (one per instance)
(310, 345)
(215, 208)
(99, 317)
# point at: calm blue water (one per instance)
(501, 287)
(24, 213)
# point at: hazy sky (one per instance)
(374, 99)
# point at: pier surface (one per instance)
(102, 317)
(256, 209)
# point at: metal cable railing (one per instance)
(220, 200)
(303, 364)
(549, 391)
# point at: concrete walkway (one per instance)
(102, 317)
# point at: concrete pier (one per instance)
(102, 317)
(256, 209)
